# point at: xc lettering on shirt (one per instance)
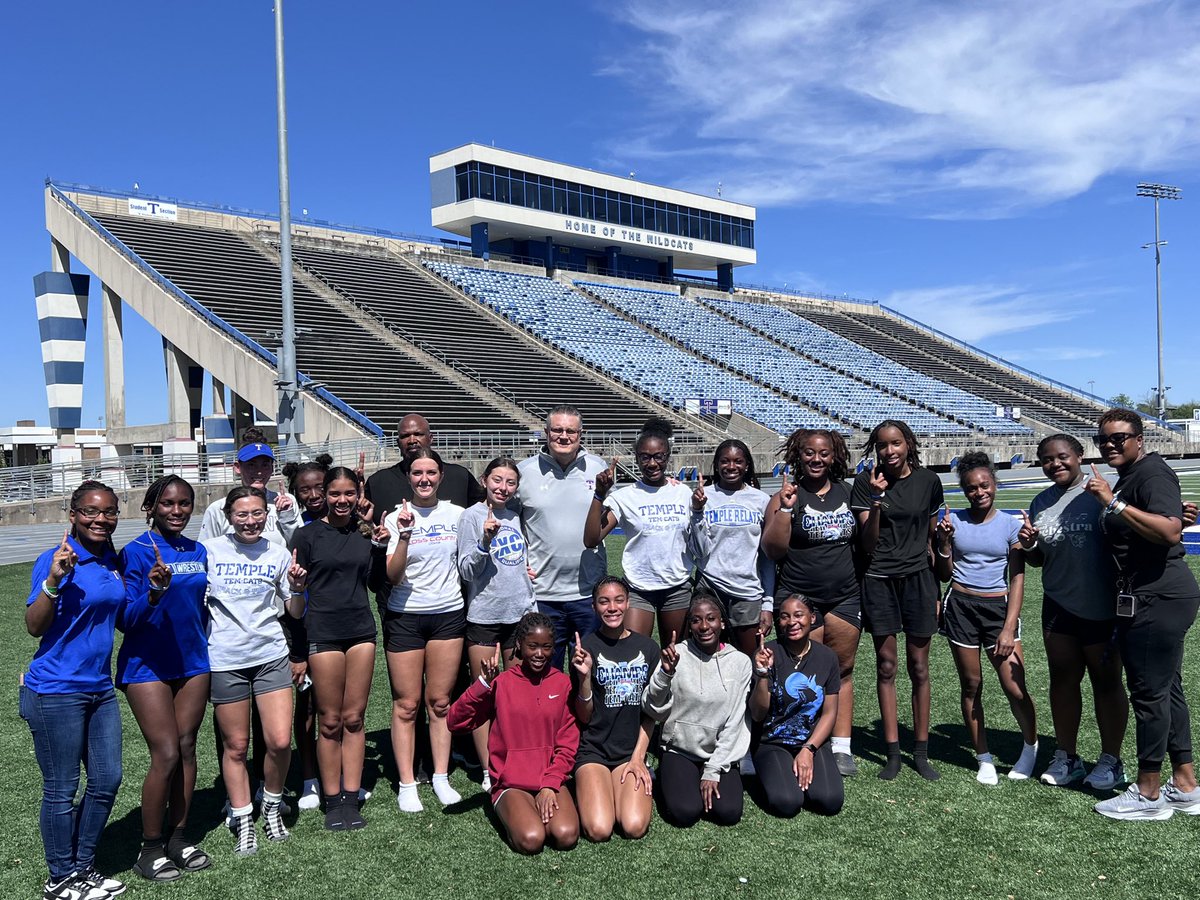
(508, 547)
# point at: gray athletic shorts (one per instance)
(241, 684)
(661, 600)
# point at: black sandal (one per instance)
(189, 858)
(157, 867)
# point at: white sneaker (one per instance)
(1106, 774)
(1132, 805)
(1183, 802)
(310, 795)
(1063, 770)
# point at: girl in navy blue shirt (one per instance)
(67, 695)
(163, 669)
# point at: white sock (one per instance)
(987, 769)
(486, 784)
(1024, 767)
(445, 793)
(407, 798)
(840, 745)
(268, 797)
(242, 810)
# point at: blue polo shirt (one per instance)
(170, 639)
(75, 653)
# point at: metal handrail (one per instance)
(215, 321)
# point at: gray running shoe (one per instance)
(1188, 802)
(846, 765)
(1132, 805)
(1063, 770)
(1106, 774)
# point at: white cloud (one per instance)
(1053, 354)
(956, 109)
(975, 312)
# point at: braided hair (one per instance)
(156, 490)
(85, 488)
(913, 458)
(793, 452)
(531, 621)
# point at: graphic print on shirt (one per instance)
(508, 547)
(822, 526)
(798, 699)
(242, 579)
(623, 682)
(1054, 528)
(657, 518)
(188, 567)
(732, 515)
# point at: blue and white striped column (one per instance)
(62, 304)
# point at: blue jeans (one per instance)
(568, 618)
(70, 729)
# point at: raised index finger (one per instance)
(65, 545)
(1096, 472)
(294, 563)
(154, 544)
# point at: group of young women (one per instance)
(275, 598)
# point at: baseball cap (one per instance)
(253, 451)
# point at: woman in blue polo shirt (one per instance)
(163, 669)
(67, 695)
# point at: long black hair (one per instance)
(751, 477)
(913, 458)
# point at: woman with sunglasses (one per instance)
(655, 516)
(1157, 599)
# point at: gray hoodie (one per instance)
(702, 707)
(498, 587)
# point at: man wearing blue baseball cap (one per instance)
(255, 465)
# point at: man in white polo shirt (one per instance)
(553, 499)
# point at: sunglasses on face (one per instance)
(1117, 439)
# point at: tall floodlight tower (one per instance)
(1159, 192)
(290, 417)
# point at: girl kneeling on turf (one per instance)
(979, 553)
(795, 695)
(611, 668)
(532, 741)
(698, 693)
(251, 581)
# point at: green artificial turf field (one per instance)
(905, 838)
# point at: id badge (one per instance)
(1126, 605)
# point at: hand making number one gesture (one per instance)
(160, 572)
(282, 500)
(699, 498)
(1028, 535)
(606, 479)
(491, 527)
(670, 656)
(64, 560)
(404, 517)
(581, 660)
(944, 530)
(1098, 487)
(878, 482)
(764, 656)
(489, 668)
(297, 576)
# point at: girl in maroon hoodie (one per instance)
(532, 742)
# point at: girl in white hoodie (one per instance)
(698, 693)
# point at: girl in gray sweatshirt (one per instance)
(699, 693)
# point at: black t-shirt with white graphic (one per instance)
(798, 692)
(820, 559)
(908, 505)
(620, 670)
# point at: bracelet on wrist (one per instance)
(599, 498)
(158, 588)
(1118, 508)
(587, 699)
(878, 497)
(49, 591)
(945, 555)
(762, 673)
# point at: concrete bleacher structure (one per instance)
(393, 325)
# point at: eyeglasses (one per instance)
(91, 512)
(1117, 439)
(252, 516)
(653, 457)
(567, 431)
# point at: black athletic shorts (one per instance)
(404, 631)
(970, 621)
(901, 603)
(848, 610)
(1056, 620)
(341, 645)
(502, 633)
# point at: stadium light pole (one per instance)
(290, 418)
(1158, 192)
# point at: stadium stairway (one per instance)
(229, 277)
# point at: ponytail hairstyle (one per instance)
(607, 580)
(751, 477)
(293, 470)
(913, 458)
(85, 488)
(253, 435)
(338, 473)
(150, 501)
(701, 599)
(531, 621)
(500, 462)
(793, 452)
(655, 427)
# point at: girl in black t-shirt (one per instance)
(810, 529)
(795, 696)
(344, 555)
(897, 503)
(610, 668)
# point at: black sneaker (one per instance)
(110, 886)
(333, 812)
(71, 888)
(245, 841)
(351, 814)
(273, 827)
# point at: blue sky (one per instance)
(974, 169)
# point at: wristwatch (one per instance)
(811, 749)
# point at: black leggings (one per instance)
(824, 796)
(679, 799)
(1152, 650)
